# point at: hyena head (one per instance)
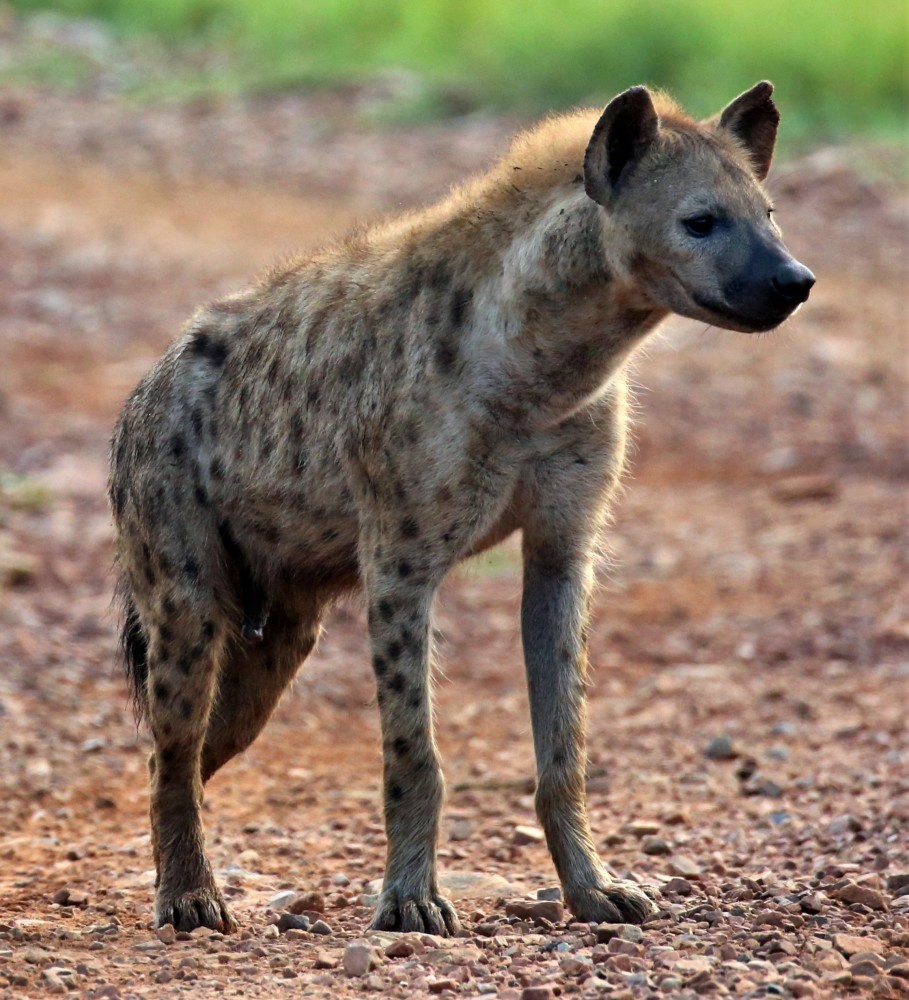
(686, 209)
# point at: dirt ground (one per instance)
(749, 723)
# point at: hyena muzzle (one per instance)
(374, 413)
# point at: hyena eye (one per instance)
(700, 225)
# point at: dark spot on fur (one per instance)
(397, 683)
(446, 356)
(580, 460)
(163, 652)
(185, 665)
(166, 634)
(191, 568)
(401, 746)
(386, 610)
(186, 708)
(461, 300)
(415, 699)
(409, 528)
(404, 568)
(379, 665)
(177, 447)
(329, 535)
(162, 691)
(150, 577)
(394, 650)
(208, 629)
(395, 793)
(216, 467)
(200, 495)
(197, 421)
(213, 349)
(167, 755)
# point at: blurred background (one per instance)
(750, 648)
(842, 65)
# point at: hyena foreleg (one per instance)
(399, 628)
(559, 549)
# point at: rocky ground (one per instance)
(750, 683)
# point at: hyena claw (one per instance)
(611, 903)
(431, 914)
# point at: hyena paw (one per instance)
(428, 914)
(611, 903)
(198, 908)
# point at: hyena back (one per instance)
(377, 412)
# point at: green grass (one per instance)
(839, 66)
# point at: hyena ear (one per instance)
(625, 130)
(753, 119)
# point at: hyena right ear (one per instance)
(625, 130)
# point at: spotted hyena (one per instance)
(375, 413)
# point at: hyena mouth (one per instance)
(748, 324)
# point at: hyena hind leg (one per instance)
(254, 675)
(186, 641)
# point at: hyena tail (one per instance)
(134, 650)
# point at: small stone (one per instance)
(794, 489)
(61, 897)
(440, 985)
(572, 965)
(271, 932)
(166, 934)
(340, 879)
(721, 748)
(851, 944)
(282, 900)
(535, 910)
(292, 921)
(320, 927)
(53, 983)
(606, 932)
(324, 960)
(812, 903)
(680, 886)
(898, 881)
(401, 948)
(865, 895)
(536, 993)
(313, 902)
(526, 835)
(656, 846)
(685, 868)
(554, 892)
(641, 828)
(460, 829)
(357, 959)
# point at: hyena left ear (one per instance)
(624, 132)
(753, 119)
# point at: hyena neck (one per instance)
(573, 314)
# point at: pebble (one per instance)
(357, 959)
(535, 910)
(525, 835)
(536, 993)
(166, 934)
(440, 985)
(325, 960)
(656, 846)
(680, 886)
(851, 944)
(685, 868)
(313, 902)
(271, 932)
(292, 921)
(721, 748)
(282, 900)
(401, 948)
(853, 893)
(554, 892)
(898, 881)
(320, 927)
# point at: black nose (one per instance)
(792, 282)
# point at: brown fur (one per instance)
(379, 411)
